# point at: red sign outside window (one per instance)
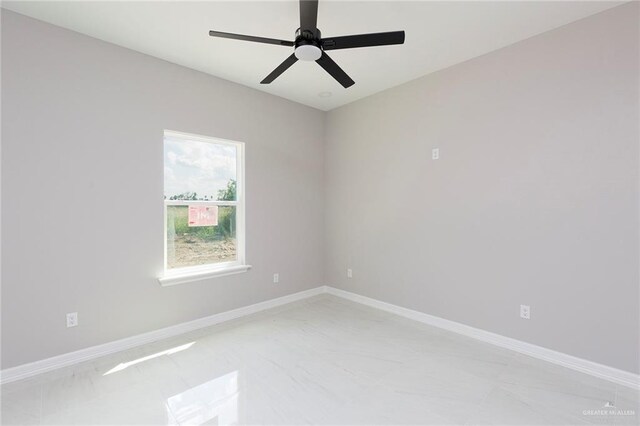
(203, 215)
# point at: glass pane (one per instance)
(195, 170)
(192, 244)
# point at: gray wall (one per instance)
(534, 200)
(82, 188)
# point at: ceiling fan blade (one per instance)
(363, 40)
(308, 14)
(335, 71)
(280, 69)
(250, 38)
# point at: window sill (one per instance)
(186, 277)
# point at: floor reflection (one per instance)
(124, 365)
(212, 403)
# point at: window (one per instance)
(203, 207)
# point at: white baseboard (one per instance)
(64, 360)
(589, 367)
(615, 375)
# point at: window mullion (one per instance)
(199, 202)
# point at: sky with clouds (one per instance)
(194, 166)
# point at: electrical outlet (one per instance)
(72, 319)
(435, 154)
(525, 312)
(276, 278)
(349, 273)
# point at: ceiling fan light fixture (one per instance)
(308, 52)
(310, 46)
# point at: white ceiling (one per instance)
(438, 34)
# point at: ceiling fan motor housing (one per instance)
(307, 45)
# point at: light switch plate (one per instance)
(72, 319)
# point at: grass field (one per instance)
(199, 245)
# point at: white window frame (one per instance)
(200, 272)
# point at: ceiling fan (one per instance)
(310, 46)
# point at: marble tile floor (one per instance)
(323, 360)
